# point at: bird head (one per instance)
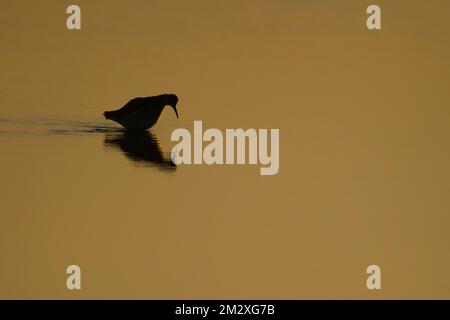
(172, 101)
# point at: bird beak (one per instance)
(175, 109)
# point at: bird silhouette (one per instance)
(142, 113)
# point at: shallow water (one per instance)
(364, 151)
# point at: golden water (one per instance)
(364, 150)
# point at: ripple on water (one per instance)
(35, 125)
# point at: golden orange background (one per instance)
(364, 150)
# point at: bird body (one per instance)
(142, 113)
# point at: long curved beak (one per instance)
(175, 109)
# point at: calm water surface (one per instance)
(364, 150)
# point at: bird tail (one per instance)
(107, 114)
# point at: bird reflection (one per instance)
(141, 147)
